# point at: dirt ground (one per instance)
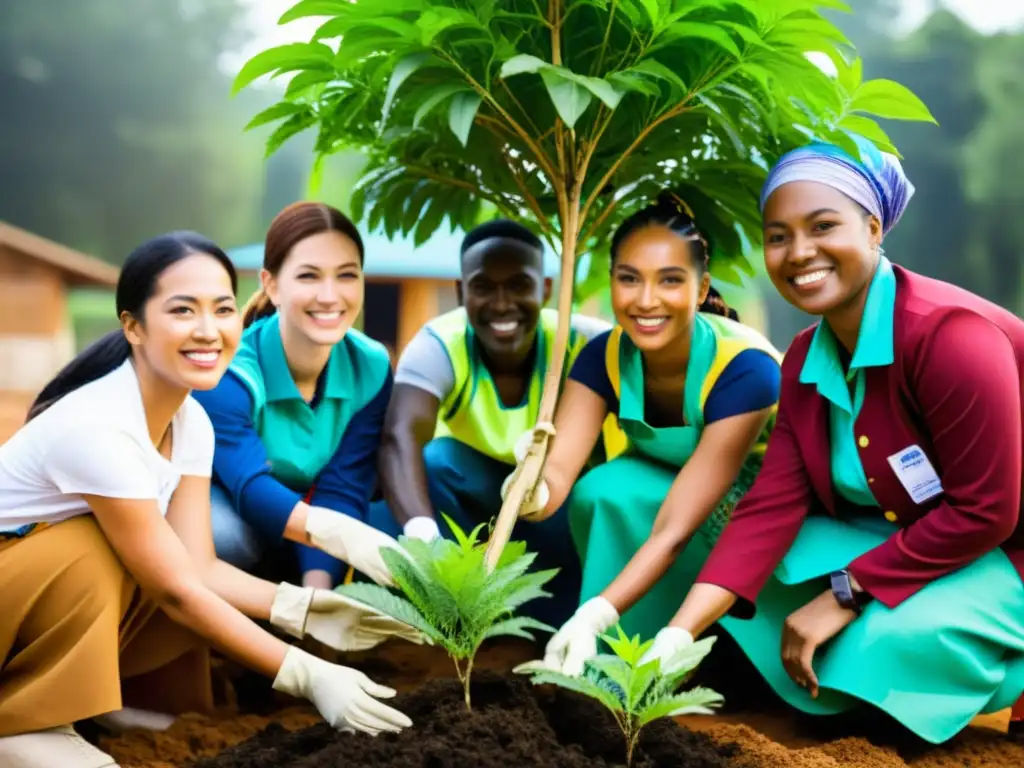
(768, 736)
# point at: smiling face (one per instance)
(502, 289)
(318, 291)
(190, 327)
(656, 287)
(820, 247)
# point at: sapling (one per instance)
(636, 692)
(445, 590)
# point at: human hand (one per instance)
(345, 697)
(669, 648)
(571, 646)
(422, 528)
(336, 621)
(805, 630)
(352, 541)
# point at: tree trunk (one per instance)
(533, 466)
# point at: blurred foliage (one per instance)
(117, 125)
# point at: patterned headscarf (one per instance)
(876, 180)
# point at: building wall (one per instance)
(35, 337)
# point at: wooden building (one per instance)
(406, 285)
(36, 335)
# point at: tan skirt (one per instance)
(78, 638)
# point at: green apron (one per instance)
(952, 651)
(613, 507)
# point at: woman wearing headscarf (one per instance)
(880, 546)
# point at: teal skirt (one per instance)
(952, 651)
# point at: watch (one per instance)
(846, 596)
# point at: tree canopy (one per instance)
(571, 114)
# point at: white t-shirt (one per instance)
(95, 441)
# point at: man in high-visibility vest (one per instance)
(467, 387)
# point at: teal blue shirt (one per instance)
(274, 446)
(844, 389)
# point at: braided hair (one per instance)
(671, 211)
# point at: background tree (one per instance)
(115, 124)
(570, 115)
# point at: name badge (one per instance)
(916, 474)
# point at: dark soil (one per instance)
(512, 724)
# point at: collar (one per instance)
(874, 349)
(277, 377)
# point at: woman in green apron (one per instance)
(878, 560)
(695, 392)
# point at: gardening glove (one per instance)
(351, 541)
(336, 621)
(669, 647)
(533, 506)
(423, 528)
(343, 696)
(576, 641)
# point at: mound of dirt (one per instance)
(512, 723)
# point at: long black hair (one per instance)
(135, 286)
(672, 212)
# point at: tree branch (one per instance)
(675, 111)
(476, 189)
(542, 159)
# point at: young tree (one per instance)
(570, 115)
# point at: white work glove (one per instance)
(535, 504)
(351, 541)
(422, 528)
(670, 647)
(576, 641)
(338, 622)
(343, 696)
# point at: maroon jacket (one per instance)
(954, 389)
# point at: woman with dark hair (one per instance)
(881, 548)
(298, 415)
(694, 392)
(109, 585)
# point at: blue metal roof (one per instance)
(437, 258)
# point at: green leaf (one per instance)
(630, 81)
(308, 79)
(887, 98)
(569, 98)
(437, 94)
(521, 64)
(517, 627)
(655, 68)
(577, 684)
(307, 8)
(404, 69)
(652, 9)
(380, 598)
(292, 126)
(869, 129)
(698, 701)
(437, 19)
(276, 112)
(688, 30)
(749, 35)
(284, 58)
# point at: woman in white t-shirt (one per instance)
(108, 579)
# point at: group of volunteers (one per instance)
(849, 512)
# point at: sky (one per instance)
(985, 15)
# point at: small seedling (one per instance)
(448, 593)
(636, 693)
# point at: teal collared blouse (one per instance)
(824, 368)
